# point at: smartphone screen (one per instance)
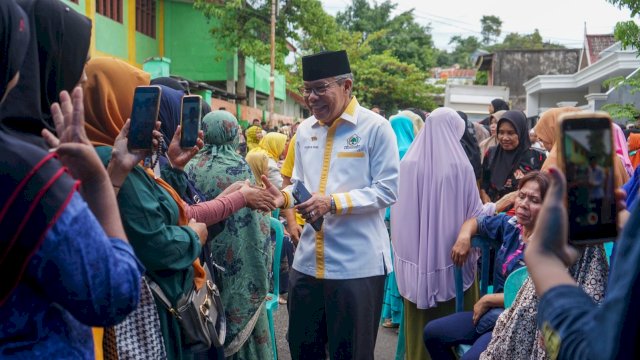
(144, 114)
(588, 155)
(190, 120)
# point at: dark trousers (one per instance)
(343, 313)
(286, 264)
(440, 335)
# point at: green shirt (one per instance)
(150, 217)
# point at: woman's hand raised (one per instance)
(178, 156)
(72, 144)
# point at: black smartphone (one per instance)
(587, 155)
(301, 194)
(144, 114)
(190, 120)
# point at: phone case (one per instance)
(182, 127)
(562, 163)
(301, 194)
(132, 144)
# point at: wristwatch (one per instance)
(333, 205)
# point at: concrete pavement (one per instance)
(385, 344)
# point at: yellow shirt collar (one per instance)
(349, 114)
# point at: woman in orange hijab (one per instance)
(634, 149)
(153, 214)
(547, 128)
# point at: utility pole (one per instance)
(272, 79)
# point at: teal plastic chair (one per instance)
(513, 284)
(608, 248)
(272, 303)
(485, 245)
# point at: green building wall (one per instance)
(112, 36)
(187, 42)
(192, 50)
(146, 47)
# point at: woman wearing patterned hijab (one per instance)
(243, 248)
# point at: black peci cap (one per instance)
(324, 65)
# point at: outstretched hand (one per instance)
(274, 191)
(258, 198)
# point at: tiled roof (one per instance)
(597, 43)
(456, 73)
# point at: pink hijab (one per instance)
(622, 148)
(437, 193)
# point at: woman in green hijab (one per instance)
(243, 248)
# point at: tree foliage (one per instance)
(465, 47)
(407, 40)
(628, 33)
(491, 28)
(384, 80)
(244, 25)
(533, 41)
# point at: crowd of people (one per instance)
(100, 243)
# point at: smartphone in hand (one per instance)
(301, 194)
(190, 120)
(587, 157)
(144, 114)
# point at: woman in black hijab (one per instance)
(64, 268)
(513, 157)
(55, 59)
(496, 105)
(470, 145)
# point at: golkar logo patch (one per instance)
(353, 142)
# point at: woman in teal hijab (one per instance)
(403, 127)
(243, 248)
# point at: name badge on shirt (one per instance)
(351, 154)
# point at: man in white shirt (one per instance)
(347, 157)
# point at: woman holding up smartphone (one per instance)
(163, 237)
(65, 259)
(572, 325)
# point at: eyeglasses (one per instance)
(318, 90)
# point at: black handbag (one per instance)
(200, 314)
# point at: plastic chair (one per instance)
(272, 303)
(485, 245)
(513, 284)
(608, 248)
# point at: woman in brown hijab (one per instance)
(547, 131)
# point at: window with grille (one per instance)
(146, 17)
(110, 8)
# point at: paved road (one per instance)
(385, 345)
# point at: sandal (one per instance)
(389, 325)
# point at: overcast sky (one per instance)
(559, 21)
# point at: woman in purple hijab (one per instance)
(437, 193)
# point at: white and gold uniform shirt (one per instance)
(355, 161)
